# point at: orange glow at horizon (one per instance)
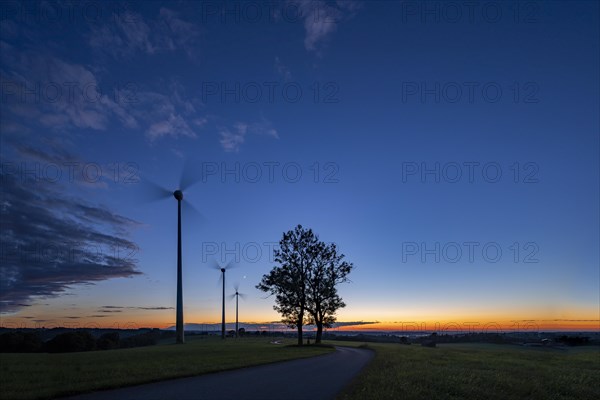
(477, 326)
(430, 325)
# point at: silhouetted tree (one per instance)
(70, 342)
(20, 342)
(327, 270)
(305, 281)
(108, 341)
(142, 339)
(288, 280)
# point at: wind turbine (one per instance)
(223, 268)
(157, 192)
(237, 294)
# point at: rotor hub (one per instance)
(178, 194)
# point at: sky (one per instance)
(450, 150)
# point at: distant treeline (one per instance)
(573, 340)
(76, 340)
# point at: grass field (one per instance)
(32, 376)
(477, 371)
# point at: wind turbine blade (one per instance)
(190, 174)
(220, 278)
(231, 296)
(236, 286)
(242, 295)
(192, 214)
(215, 265)
(231, 265)
(150, 191)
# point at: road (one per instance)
(313, 378)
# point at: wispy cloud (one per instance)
(57, 94)
(232, 140)
(55, 153)
(264, 127)
(321, 19)
(282, 70)
(120, 308)
(173, 125)
(354, 323)
(52, 241)
(233, 137)
(173, 115)
(41, 90)
(128, 34)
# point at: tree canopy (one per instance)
(305, 280)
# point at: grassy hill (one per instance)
(43, 375)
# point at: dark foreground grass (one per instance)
(31, 376)
(477, 371)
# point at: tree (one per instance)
(287, 281)
(304, 283)
(70, 342)
(327, 271)
(108, 341)
(20, 342)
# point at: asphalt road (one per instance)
(313, 378)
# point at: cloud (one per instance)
(52, 241)
(43, 90)
(232, 141)
(173, 126)
(322, 18)
(128, 34)
(264, 127)
(277, 325)
(282, 70)
(354, 323)
(119, 308)
(58, 95)
(170, 115)
(55, 157)
(233, 138)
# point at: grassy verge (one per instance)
(31, 376)
(477, 371)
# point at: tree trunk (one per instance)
(319, 332)
(300, 334)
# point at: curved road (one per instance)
(320, 377)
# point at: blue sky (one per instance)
(341, 108)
